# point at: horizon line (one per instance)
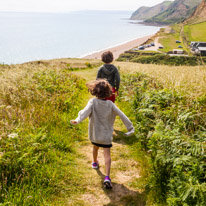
(69, 11)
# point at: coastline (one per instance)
(119, 49)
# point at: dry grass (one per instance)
(65, 62)
(17, 82)
(187, 79)
(38, 144)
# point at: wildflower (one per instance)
(2, 106)
(13, 135)
(1, 154)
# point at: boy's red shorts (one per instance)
(112, 98)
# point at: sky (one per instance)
(73, 5)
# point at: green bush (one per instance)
(37, 141)
(171, 129)
(163, 59)
(89, 65)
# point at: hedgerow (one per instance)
(163, 59)
(172, 131)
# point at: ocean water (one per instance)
(34, 36)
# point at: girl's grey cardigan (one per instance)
(102, 115)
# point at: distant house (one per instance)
(196, 45)
(201, 44)
(193, 45)
(178, 51)
(198, 48)
(201, 51)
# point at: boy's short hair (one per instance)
(100, 88)
(107, 57)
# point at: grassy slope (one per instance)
(187, 79)
(144, 13)
(182, 79)
(72, 171)
(195, 32)
(63, 174)
(169, 40)
(167, 17)
(158, 134)
(38, 145)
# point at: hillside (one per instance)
(46, 161)
(199, 15)
(176, 12)
(144, 12)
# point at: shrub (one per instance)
(88, 64)
(37, 141)
(171, 129)
(163, 59)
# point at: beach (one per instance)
(119, 49)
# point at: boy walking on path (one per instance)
(109, 72)
(102, 114)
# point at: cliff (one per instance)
(176, 12)
(199, 15)
(144, 12)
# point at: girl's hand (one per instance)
(129, 134)
(73, 122)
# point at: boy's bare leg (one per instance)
(107, 159)
(95, 153)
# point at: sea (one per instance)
(35, 36)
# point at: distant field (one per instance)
(145, 51)
(169, 40)
(195, 32)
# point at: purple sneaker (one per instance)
(107, 183)
(95, 165)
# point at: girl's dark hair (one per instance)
(107, 57)
(100, 88)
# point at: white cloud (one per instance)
(68, 5)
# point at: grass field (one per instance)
(187, 79)
(170, 127)
(195, 32)
(169, 39)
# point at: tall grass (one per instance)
(37, 153)
(190, 80)
(195, 32)
(171, 129)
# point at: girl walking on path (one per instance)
(109, 72)
(102, 113)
